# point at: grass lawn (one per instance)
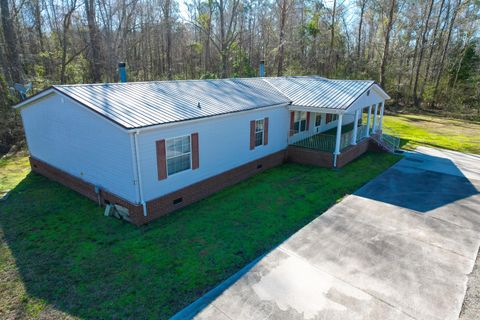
(417, 130)
(61, 258)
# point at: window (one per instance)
(258, 133)
(335, 117)
(318, 120)
(300, 121)
(178, 154)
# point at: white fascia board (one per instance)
(35, 98)
(381, 92)
(49, 92)
(315, 109)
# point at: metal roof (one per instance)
(142, 104)
(321, 92)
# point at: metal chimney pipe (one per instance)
(122, 72)
(262, 68)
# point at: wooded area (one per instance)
(425, 53)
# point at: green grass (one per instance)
(421, 130)
(61, 258)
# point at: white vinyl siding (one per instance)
(74, 139)
(224, 144)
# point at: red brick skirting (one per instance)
(165, 204)
(200, 190)
(352, 152)
(81, 186)
(195, 192)
(309, 156)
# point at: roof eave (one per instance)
(380, 91)
(40, 95)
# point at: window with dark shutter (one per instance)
(292, 123)
(161, 160)
(252, 134)
(195, 152)
(265, 131)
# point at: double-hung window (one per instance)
(178, 154)
(300, 121)
(318, 119)
(259, 132)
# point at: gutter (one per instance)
(137, 170)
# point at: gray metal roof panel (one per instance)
(142, 104)
(320, 92)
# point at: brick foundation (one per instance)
(83, 187)
(165, 204)
(310, 157)
(195, 192)
(353, 152)
(200, 190)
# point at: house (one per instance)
(154, 147)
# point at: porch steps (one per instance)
(386, 142)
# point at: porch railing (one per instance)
(319, 141)
(324, 142)
(361, 132)
(392, 141)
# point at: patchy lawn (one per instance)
(416, 130)
(61, 258)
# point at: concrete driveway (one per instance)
(401, 247)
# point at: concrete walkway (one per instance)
(401, 247)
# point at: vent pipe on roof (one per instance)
(122, 72)
(262, 68)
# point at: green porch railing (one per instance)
(319, 141)
(325, 142)
(361, 132)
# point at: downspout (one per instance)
(138, 172)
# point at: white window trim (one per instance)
(300, 121)
(255, 134)
(167, 158)
(315, 120)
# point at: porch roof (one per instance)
(315, 92)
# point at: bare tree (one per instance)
(387, 42)
(11, 43)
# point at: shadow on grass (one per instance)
(70, 256)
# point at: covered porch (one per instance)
(334, 132)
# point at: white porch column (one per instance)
(339, 134)
(355, 128)
(375, 112)
(380, 127)
(368, 121)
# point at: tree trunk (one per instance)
(444, 53)
(432, 47)
(420, 56)
(387, 43)
(95, 63)
(332, 38)
(168, 27)
(360, 24)
(11, 49)
(281, 42)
